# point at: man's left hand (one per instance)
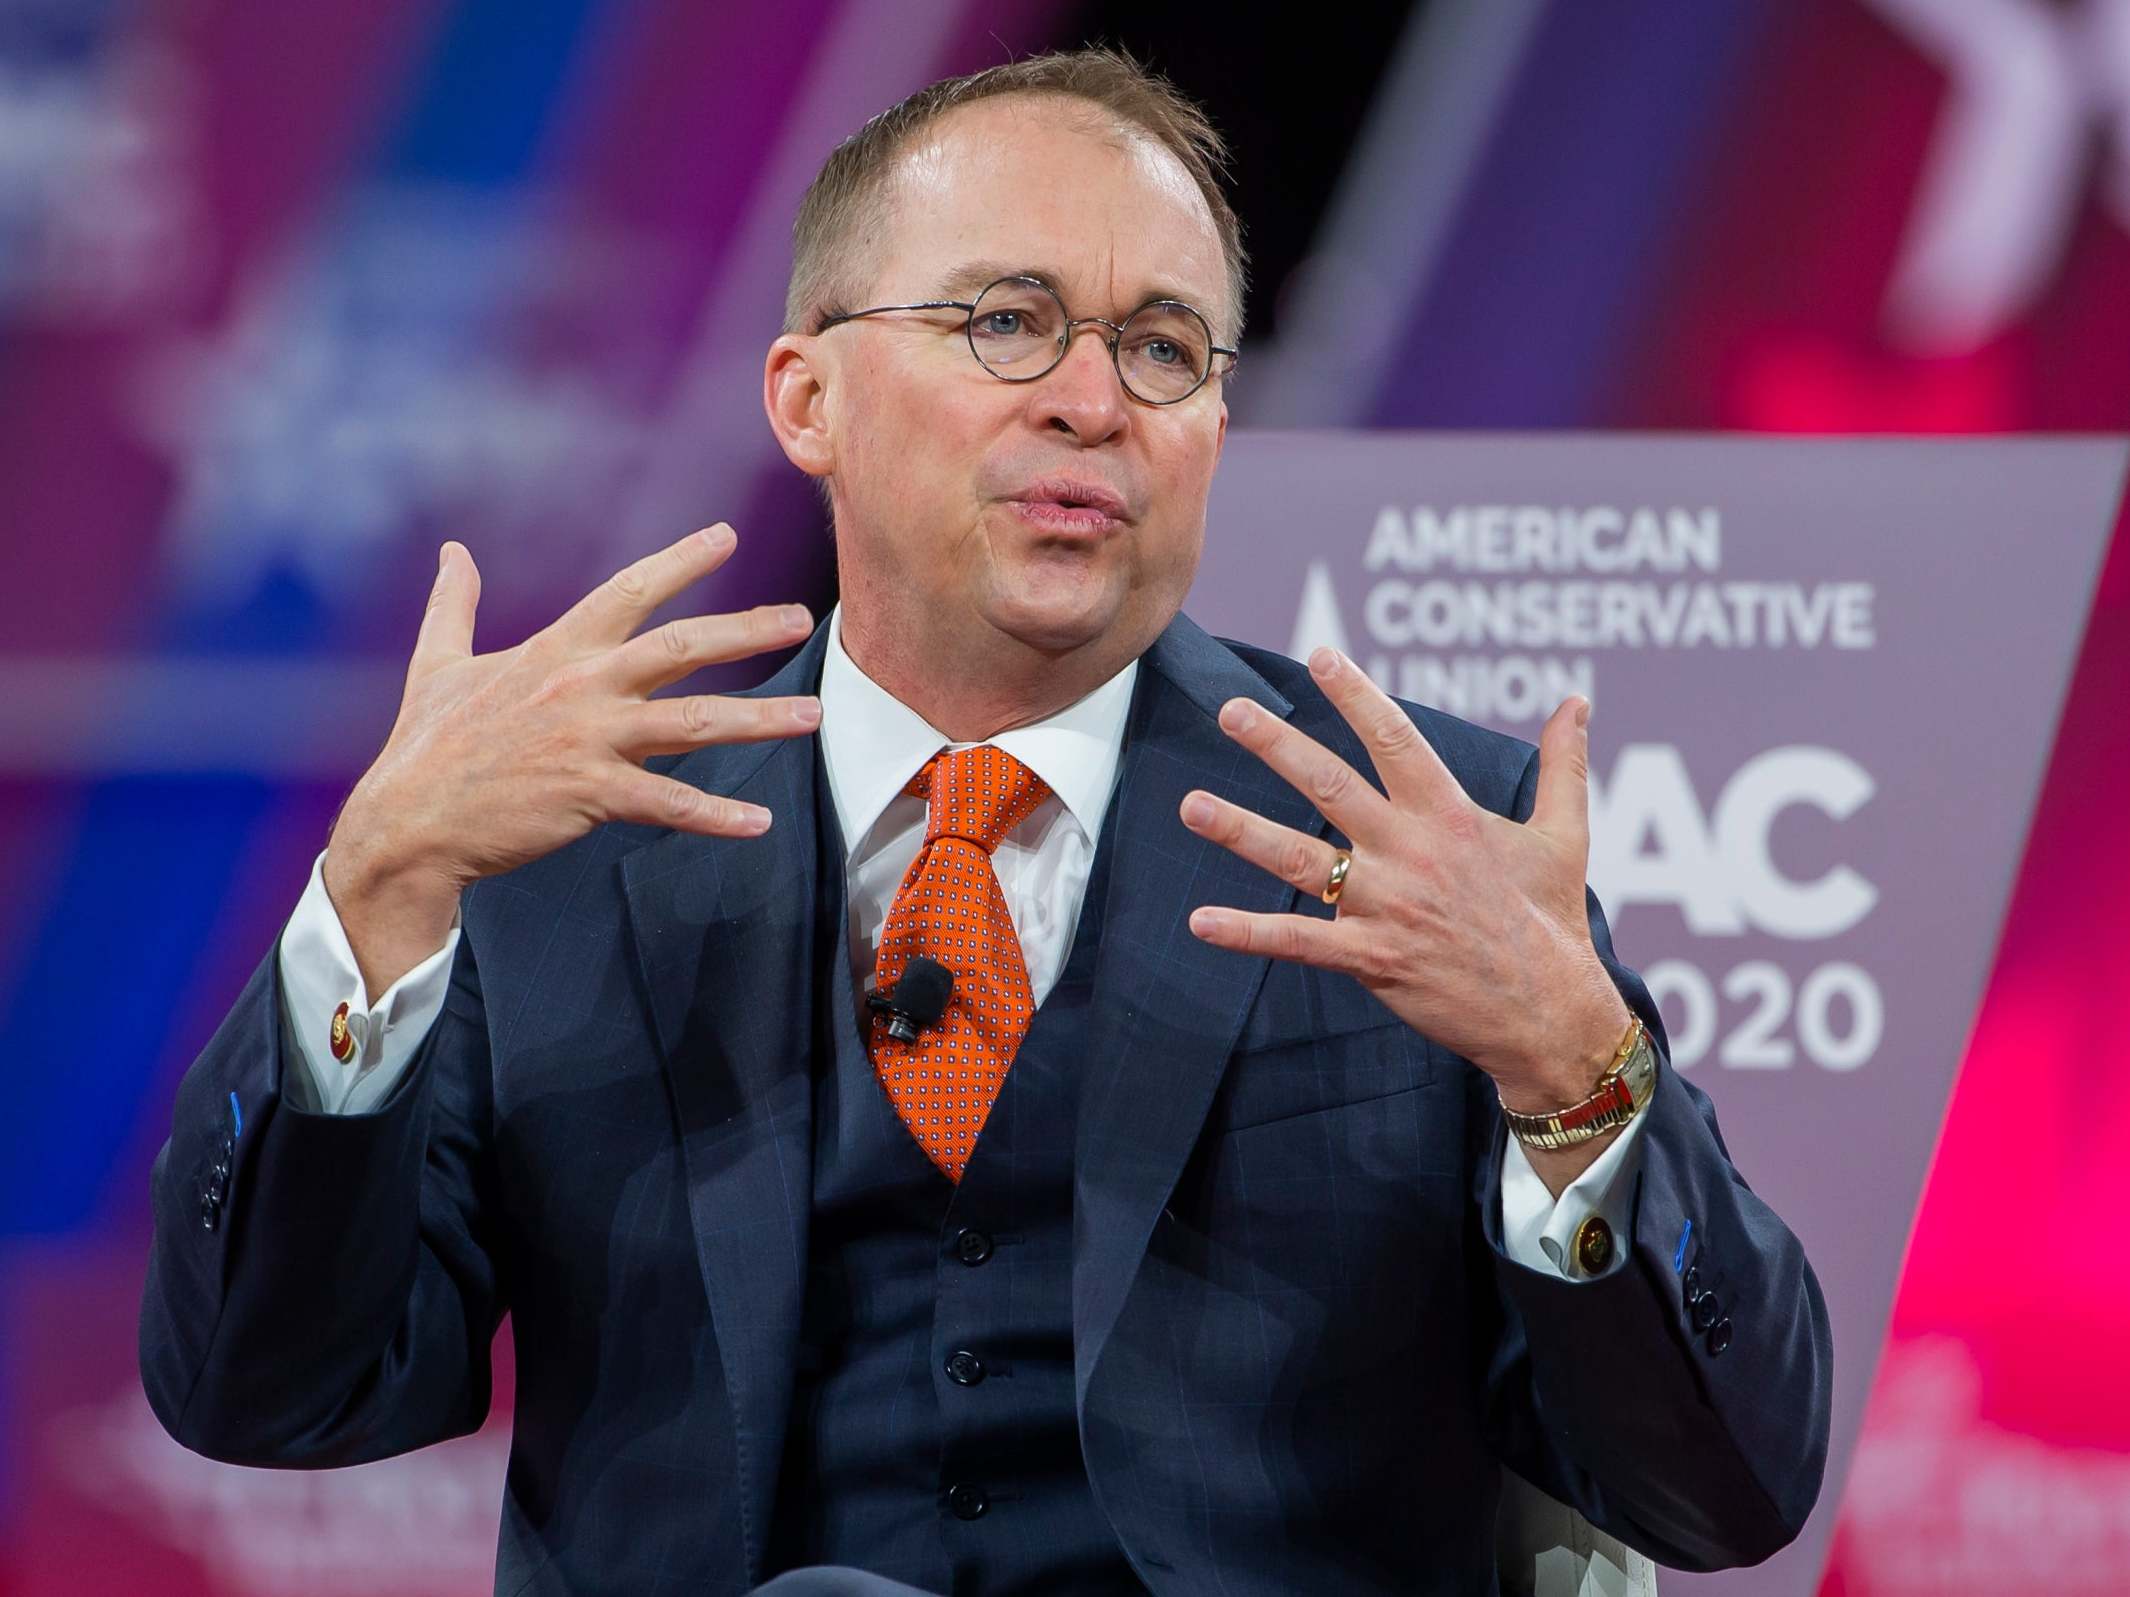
(1468, 926)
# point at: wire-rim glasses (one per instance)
(1018, 330)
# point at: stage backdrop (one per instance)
(1824, 678)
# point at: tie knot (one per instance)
(979, 793)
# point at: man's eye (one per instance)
(1014, 323)
(1165, 351)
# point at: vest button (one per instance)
(964, 1368)
(967, 1502)
(972, 1247)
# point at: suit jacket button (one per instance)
(210, 1210)
(964, 1368)
(1707, 1311)
(967, 1502)
(972, 1247)
(1693, 1282)
(1719, 1336)
(1593, 1245)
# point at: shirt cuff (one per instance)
(318, 975)
(1538, 1230)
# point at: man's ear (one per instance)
(795, 395)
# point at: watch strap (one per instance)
(1618, 1097)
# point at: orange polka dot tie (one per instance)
(951, 907)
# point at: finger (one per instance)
(619, 605)
(1312, 770)
(1304, 939)
(673, 648)
(677, 725)
(1562, 806)
(1411, 771)
(1294, 857)
(447, 624)
(653, 800)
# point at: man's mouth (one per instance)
(1069, 507)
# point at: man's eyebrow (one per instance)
(972, 277)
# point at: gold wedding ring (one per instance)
(1337, 885)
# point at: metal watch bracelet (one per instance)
(1620, 1094)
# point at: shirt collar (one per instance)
(873, 743)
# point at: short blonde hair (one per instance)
(847, 198)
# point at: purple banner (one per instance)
(1824, 677)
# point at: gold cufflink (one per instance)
(1593, 1246)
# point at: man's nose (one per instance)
(1082, 394)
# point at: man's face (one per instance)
(953, 489)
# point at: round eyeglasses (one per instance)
(1018, 331)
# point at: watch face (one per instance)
(1641, 1070)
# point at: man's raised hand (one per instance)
(497, 759)
(1468, 926)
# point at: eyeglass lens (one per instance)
(1162, 355)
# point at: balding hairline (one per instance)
(843, 221)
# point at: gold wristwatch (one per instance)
(1621, 1092)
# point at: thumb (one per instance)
(447, 624)
(1562, 806)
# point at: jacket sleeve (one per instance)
(1696, 1432)
(323, 1289)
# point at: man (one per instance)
(1243, 1286)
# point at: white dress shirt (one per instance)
(872, 744)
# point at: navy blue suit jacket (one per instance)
(1300, 1349)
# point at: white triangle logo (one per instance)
(1317, 623)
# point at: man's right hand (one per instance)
(497, 759)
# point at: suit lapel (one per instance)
(724, 938)
(1167, 1007)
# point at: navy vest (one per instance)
(934, 1437)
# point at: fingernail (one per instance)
(795, 616)
(1208, 921)
(1324, 663)
(1197, 809)
(1236, 714)
(807, 712)
(1582, 713)
(755, 820)
(719, 537)
(442, 550)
